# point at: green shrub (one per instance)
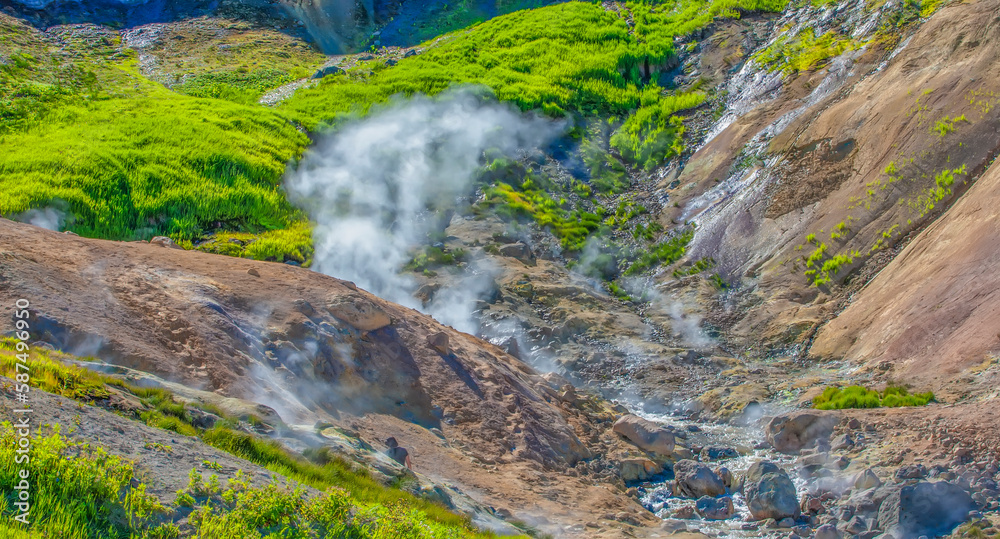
(804, 51)
(836, 398)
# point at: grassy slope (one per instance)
(126, 158)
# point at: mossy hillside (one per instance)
(163, 410)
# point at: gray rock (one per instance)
(715, 508)
(842, 442)
(519, 251)
(924, 509)
(439, 342)
(328, 70)
(787, 522)
(856, 525)
(866, 480)
(911, 471)
(770, 493)
(826, 531)
(790, 433)
(694, 480)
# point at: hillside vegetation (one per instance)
(98, 495)
(122, 157)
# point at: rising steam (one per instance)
(376, 188)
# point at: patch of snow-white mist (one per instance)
(372, 188)
(47, 218)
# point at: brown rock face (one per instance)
(295, 340)
(934, 310)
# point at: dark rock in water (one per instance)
(715, 508)
(770, 493)
(694, 480)
(924, 509)
(714, 452)
(328, 70)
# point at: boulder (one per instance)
(694, 480)
(714, 452)
(727, 476)
(710, 508)
(925, 508)
(770, 493)
(826, 531)
(866, 480)
(519, 251)
(358, 312)
(439, 342)
(790, 433)
(328, 70)
(647, 435)
(638, 469)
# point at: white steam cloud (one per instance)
(373, 188)
(48, 218)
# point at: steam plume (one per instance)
(376, 187)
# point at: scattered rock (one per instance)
(769, 492)
(519, 251)
(685, 512)
(727, 476)
(715, 508)
(328, 70)
(842, 442)
(358, 312)
(439, 342)
(253, 272)
(714, 452)
(911, 471)
(694, 480)
(638, 469)
(672, 525)
(790, 433)
(163, 241)
(866, 480)
(924, 509)
(827, 531)
(645, 434)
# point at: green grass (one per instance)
(699, 266)
(837, 398)
(653, 134)
(574, 56)
(239, 86)
(80, 491)
(531, 201)
(663, 253)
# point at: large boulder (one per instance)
(647, 435)
(694, 480)
(769, 492)
(790, 433)
(924, 509)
